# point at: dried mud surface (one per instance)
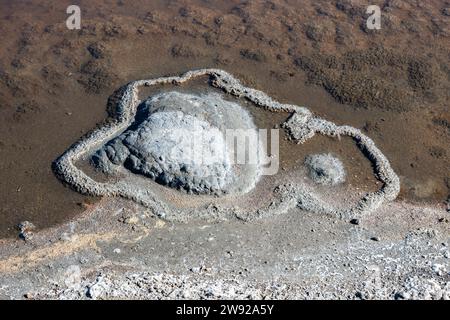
(116, 250)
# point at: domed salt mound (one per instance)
(325, 169)
(181, 143)
(221, 114)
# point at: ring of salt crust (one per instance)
(302, 125)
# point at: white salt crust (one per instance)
(301, 126)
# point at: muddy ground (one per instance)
(55, 82)
(392, 83)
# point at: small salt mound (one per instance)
(325, 169)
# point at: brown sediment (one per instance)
(44, 104)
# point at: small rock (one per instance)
(161, 215)
(401, 296)
(26, 230)
(314, 33)
(354, 221)
(375, 239)
(97, 50)
(195, 269)
(141, 30)
(28, 295)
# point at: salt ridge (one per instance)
(301, 126)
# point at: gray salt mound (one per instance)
(325, 169)
(181, 144)
(301, 126)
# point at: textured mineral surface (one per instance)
(179, 140)
(138, 138)
(325, 169)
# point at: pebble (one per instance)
(26, 230)
(195, 269)
(28, 295)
